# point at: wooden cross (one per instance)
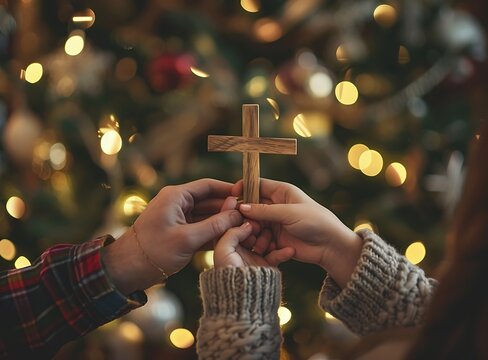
(250, 144)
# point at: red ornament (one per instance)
(168, 72)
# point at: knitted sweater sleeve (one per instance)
(385, 290)
(240, 318)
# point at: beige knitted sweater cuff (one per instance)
(240, 313)
(385, 290)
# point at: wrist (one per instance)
(126, 266)
(341, 256)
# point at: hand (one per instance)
(297, 221)
(178, 221)
(229, 252)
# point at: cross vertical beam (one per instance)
(250, 159)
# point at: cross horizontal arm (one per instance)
(244, 144)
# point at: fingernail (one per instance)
(245, 225)
(245, 207)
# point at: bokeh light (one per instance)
(198, 72)
(181, 338)
(341, 54)
(415, 252)
(395, 174)
(133, 205)
(267, 30)
(354, 154)
(281, 86)
(251, 6)
(276, 109)
(33, 73)
(300, 126)
(111, 142)
(403, 55)
(57, 156)
(257, 86)
(346, 93)
(385, 15)
(74, 44)
(284, 314)
(125, 69)
(363, 224)
(7, 249)
(22, 262)
(15, 207)
(84, 19)
(370, 163)
(320, 85)
(208, 259)
(130, 332)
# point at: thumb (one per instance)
(276, 257)
(212, 228)
(279, 213)
(225, 252)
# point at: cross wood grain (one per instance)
(250, 144)
(262, 145)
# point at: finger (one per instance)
(230, 203)
(249, 242)
(281, 192)
(233, 236)
(278, 213)
(208, 206)
(205, 188)
(262, 242)
(277, 257)
(214, 227)
(237, 188)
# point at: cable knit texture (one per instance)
(240, 318)
(385, 290)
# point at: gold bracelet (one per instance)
(153, 264)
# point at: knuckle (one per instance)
(218, 226)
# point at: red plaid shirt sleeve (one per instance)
(65, 294)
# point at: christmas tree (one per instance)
(104, 103)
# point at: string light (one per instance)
(75, 43)
(346, 93)
(415, 252)
(33, 73)
(300, 126)
(57, 156)
(181, 338)
(22, 262)
(275, 107)
(403, 55)
(385, 15)
(284, 314)
(15, 207)
(111, 142)
(395, 174)
(320, 85)
(84, 18)
(133, 205)
(363, 224)
(354, 154)
(267, 30)
(281, 86)
(341, 54)
(198, 72)
(7, 249)
(251, 6)
(130, 332)
(370, 163)
(257, 86)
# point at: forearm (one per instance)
(63, 295)
(240, 313)
(385, 290)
